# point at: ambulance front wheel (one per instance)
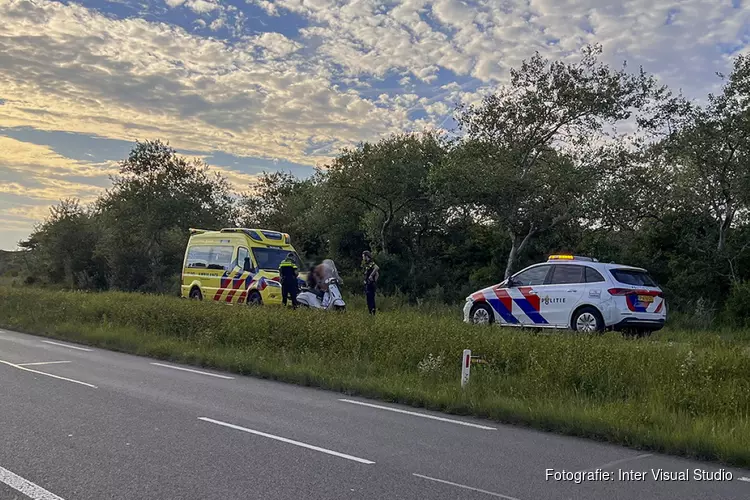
(254, 299)
(196, 294)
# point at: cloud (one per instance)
(69, 68)
(341, 72)
(201, 6)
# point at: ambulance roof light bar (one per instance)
(571, 257)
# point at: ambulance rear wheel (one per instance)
(254, 299)
(196, 294)
(481, 314)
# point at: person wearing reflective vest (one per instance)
(288, 274)
(371, 275)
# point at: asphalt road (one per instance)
(99, 425)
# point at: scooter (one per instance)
(331, 299)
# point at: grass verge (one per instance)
(686, 398)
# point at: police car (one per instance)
(579, 293)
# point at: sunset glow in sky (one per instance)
(254, 85)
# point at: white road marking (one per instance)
(616, 462)
(746, 479)
(417, 414)
(66, 345)
(289, 441)
(490, 493)
(43, 363)
(48, 374)
(26, 487)
(193, 371)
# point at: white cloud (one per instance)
(66, 67)
(277, 44)
(201, 6)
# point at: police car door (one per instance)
(523, 297)
(565, 287)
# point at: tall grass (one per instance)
(688, 397)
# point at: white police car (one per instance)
(572, 292)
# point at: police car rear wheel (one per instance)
(587, 320)
(481, 314)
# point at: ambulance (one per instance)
(235, 265)
(572, 292)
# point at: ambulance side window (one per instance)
(220, 258)
(198, 256)
(243, 259)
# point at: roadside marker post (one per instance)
(465, 367)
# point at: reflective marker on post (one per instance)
(465, 367)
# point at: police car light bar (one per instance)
(572, 257)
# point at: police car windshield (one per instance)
(633, 277)
(270, 258)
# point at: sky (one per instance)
(264, 85)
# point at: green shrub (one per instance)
(737, 306)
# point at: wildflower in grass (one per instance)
(430, 364)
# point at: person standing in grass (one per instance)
(371, 274)
(288, 274)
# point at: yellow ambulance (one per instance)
(235, 265)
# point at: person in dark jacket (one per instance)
(288, 273)
(371, 275)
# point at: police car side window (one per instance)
(531, 277)
(563, 274)
(593, 276)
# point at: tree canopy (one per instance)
(567, 156)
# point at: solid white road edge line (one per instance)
(192, 371)
(491, 493)
(416, 414)
(48, 374)
(43, 363)
(25, 487)
(66, 345)
(288, 441)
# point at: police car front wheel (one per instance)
(587, 320)
(481, 314)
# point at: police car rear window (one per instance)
(633, 277)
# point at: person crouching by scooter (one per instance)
(371, 275)
(288, 274)
(314, 280)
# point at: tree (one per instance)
(388, 178)
(280, 201)
(530, 154)
(62, 247)
(155, 199)
(712, 153)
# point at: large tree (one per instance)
(711, 152)
(531, 152)
(155, 199)
(389, 179)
